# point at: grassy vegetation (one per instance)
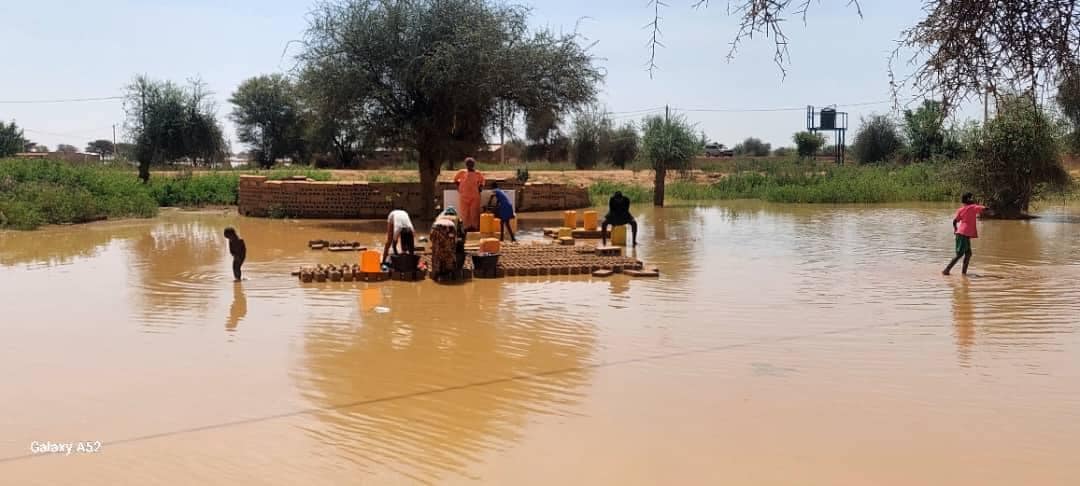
(796, 183)
(33, 193)
(37, 192)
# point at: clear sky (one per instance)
(82, 49)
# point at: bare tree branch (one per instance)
(654, 41)
(964, 48)
(757, 17)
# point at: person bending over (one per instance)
(399, 228)
(618, 214)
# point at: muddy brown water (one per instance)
(782, 345)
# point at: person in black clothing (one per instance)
(618, 214)
(237, 249)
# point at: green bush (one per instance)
(807, 144)
(788, 182)
(753, 147)
(878, 140)
(1016, 157)
(195, 190)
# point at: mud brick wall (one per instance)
(363, 200)
(552, 197)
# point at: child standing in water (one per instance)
(965, 231)
(237, 249)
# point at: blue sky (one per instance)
(79, 49)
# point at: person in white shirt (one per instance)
(399, 228)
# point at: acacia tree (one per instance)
(168, 123)
(66, 148)
(11, 139)
(591, 138)
(268, 118)
(101, 147)
(668, 144)
(430, 74)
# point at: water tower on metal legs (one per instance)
(828, 119)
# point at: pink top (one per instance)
(965, 220)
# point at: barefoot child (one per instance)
(965, 230)
(237, 249)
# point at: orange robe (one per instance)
(469, 184)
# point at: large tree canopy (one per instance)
(431, 74)
(169, 123)
(268, 118)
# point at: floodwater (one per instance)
(782, 345)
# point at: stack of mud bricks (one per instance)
(357, 199)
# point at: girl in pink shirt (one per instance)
(965, 230)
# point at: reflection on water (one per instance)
(963, 319)
(441, 377)
(238, 309)
(820, 343)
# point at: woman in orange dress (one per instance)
(469, 182)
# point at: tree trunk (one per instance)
(144, 171)
(658, 186)
(429, 173)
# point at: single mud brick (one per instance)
(602, 273)
(617, 268)
(320, 277)
(642, 273)
(534, 272)
(500, 273)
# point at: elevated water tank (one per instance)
(828, 118)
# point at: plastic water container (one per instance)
(370, 261)
(490, 245)
(496, 225)
(566, 233)
(487, 223)
(570, 219)
(618, 235)
(590, 220)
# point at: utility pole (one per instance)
(667, 114)
(986, 105)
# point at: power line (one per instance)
(64, 100)
(793, 108)
(646, 110)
